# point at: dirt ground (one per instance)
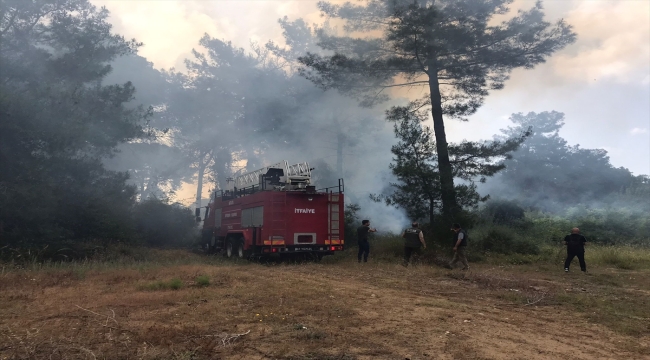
(339, 310)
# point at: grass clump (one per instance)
(501, 239)
(627, 317)
(173, 284)
(620, 257)
(203, 281)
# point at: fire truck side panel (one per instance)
(291, 221)
(306, 219)
(230, 216)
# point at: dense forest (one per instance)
(95, 142)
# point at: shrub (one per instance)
(617, 260)
(161, 224)
(621, 257)
(502, 240)
(203, 280)
(607, 226)
(498, 240)
(352, 221)
(504, 211)
(173, 284)
(525, 247)
(387, 246)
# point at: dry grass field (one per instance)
(187, 306)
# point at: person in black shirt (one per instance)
(362, 237)
(460, 244)
(575, 246)
(414, 239)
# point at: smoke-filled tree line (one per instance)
(59, 122)
(94, 141)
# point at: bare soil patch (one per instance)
(323, 311)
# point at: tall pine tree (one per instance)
(418, 188)
(59, 122)
(452, 47)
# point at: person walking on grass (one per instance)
(413, 240)
(362, 237)
(460, 246)
(575, 246)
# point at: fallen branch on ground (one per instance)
(108, 317)
(535, 301)
(230, 339)
(226, 339)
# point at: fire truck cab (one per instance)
(275, 211)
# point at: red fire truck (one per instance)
(275, 211)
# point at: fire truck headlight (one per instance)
(310, 198)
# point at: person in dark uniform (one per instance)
(362, 237)
(575, 246)
(413, 240)
(460, 244)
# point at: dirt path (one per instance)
(310, 311)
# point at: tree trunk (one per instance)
(339, 149)
(199, 186)
(142, 189)
(448, 193)
(221, 166)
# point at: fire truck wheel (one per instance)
(240, 250)
(229, 249)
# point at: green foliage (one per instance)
(449, 37)
(545, 172)
(352, 222)
(450, 46)
(615, 258)
(538, 233)
(202, 280)
(418, 189)
(173, 284)
(58, 123)
(502, 240)
(162, 224)
(621, 256)
(609, 226)
(504, 212)
(387, 246)
(227, 96)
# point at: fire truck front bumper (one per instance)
(324, 249)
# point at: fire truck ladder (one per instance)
(333, 217)
(278, 216)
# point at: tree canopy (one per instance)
(418, 189)
(455, 49)
(59, 122)
(547, 172)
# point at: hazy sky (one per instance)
(601, 83)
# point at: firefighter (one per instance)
(575, 246)
(460, 244)
(362, 237)
(413, 240)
